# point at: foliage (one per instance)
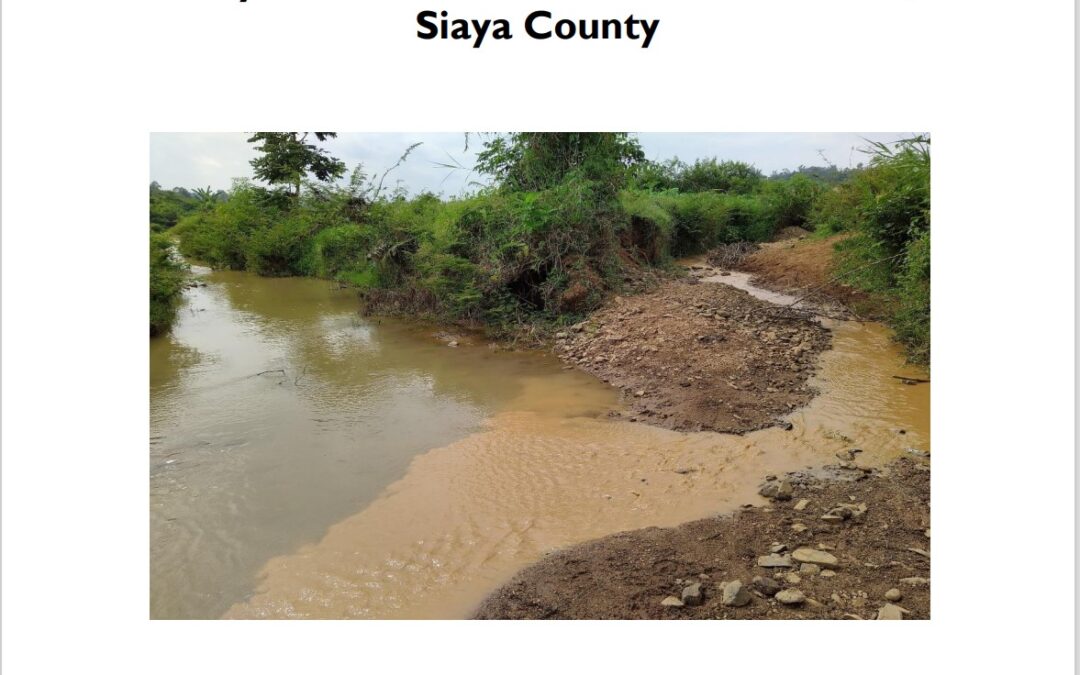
(167, 278)
(887, 209)
(792, 199)
(530, 161)
(287, 158)
(710, 175)
(829, 175)
(569, 218)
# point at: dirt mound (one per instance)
(699, 356)
(857, 561)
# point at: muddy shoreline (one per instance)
(873, 563)
(835, 541)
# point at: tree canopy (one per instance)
(287, 158)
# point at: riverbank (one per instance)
(845, 543)
(835, 541)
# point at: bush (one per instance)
(792, 199)
(167, 278)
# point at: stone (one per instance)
(820, 558)
(809, 568)
(735, 594)
(792, 578)
(893, 595)
(775, 560)
(890, 612)
(915, 581)
(846, 455)
(671, 601)
(920, 552)
(785, 491)
(777, 548)
(691, 595)
(802, 504)
(790, 596)
(452, 343)
(766, 586)
(799, 527)
(562, 335)
(827, 574)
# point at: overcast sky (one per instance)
(199, 159)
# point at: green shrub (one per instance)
(167, 278)
(792, 199)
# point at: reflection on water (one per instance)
(468, 515)
(277, 411)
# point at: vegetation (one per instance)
(167, 278)
(886, 207)
(568, 218)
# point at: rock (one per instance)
(766, 586)
(915, 581)
(671, 601)
(790, 596)
(735, 594)
(890, 612)
(809, 568)
(846, 455)
(802, 504)
(770, 489)
(799, 527)
(775, 560)
(691, 595)
(820, 558)
(792, 578)
(787, 426)
(893, 595)
(777, 548)
(639, 393)
(452, 343)
(826, 574)
(562, 335)
(785, 491)
(920, 552)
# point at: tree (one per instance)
(540, 160)
(287, 158)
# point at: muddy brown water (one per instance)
(386, 475)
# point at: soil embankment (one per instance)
(696, 357)
(845, 543)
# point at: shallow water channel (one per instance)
(307, 462)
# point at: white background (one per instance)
(84, 82)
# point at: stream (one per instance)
(306, 462)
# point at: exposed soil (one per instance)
(696, 356)
(630, 575)
(803, 265)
